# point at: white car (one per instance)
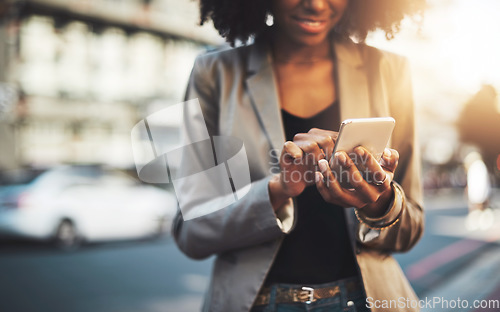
(71, 204)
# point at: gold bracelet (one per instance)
(377, 228)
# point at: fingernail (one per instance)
(323, 165)
(341, 157)
(387, 153)
(360, 151)
(318, 177)
(383, 162)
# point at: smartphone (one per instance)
(371, 133)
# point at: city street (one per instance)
(154, 276)
(102, 102)
(129, 276)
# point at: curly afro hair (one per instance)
(243, 19)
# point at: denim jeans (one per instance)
(353, 301)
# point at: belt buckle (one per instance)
(306, 294)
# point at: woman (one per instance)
(296, 244)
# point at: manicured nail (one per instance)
(387, 153)
(323, 165)
(360, 151)
(341, 158)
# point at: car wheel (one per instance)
(66, 236)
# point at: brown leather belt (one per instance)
(304, 294)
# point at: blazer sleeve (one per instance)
(249, 221)
(403, 225)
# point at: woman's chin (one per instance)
(303, 38)
(310, 40)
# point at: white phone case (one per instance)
(371, 133)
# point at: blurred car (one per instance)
(71, 204)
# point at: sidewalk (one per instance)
(478, 281)
(469, 269)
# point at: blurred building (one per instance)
(87, 71)
(451, 57)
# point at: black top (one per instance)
(318, 248)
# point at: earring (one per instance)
(269, 19)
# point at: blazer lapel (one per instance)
(264, 95)
(354, 100)
(352, 80)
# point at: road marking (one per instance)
(443, 256)
(475, 282)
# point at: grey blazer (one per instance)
(237, 92)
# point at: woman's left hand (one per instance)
(373, 195)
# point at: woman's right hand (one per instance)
(298, 163)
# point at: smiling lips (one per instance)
(310, 25)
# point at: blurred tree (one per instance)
(479, 124)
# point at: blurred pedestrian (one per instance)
(478, 193)
(479, 125)
(478, 182)
(298, 241)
